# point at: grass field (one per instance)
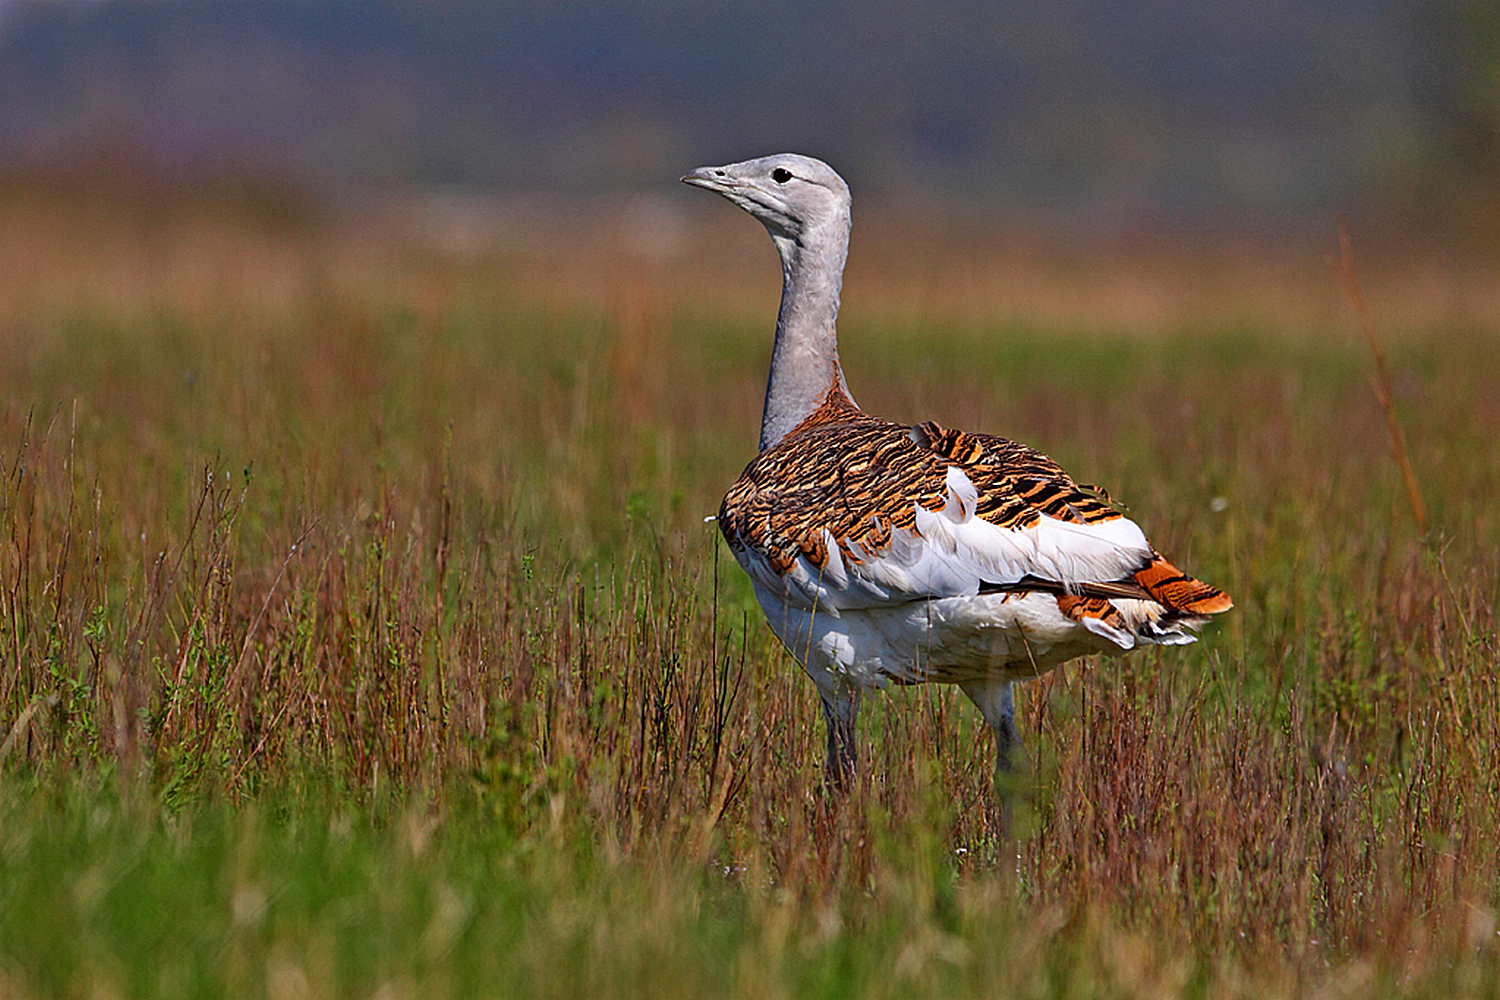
(363, 637)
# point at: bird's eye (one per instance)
(781, 175)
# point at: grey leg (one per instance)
(840, 708)
(994, 701)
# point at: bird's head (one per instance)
(790, 194)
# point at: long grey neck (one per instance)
(805, 358)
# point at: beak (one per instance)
(709, 178)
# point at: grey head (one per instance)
(793, 196)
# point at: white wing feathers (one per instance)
(951, 552)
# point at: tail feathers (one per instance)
(1099, 616)
(1164, 604)
(1140, 623)
(1179, 592)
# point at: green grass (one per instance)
(363, 637)
(283, 897)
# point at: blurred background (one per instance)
(1149, 109)
(515, 125)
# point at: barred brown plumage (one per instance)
(857, 477)
(887, 552)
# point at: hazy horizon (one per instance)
(1154, 110)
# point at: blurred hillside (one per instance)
(1147, 111)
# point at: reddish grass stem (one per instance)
(1381, 381)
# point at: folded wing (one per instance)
(852, 512)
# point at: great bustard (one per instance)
(886, 552)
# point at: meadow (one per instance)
(362, 634)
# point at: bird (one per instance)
(884, 552)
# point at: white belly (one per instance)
(944, 640)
